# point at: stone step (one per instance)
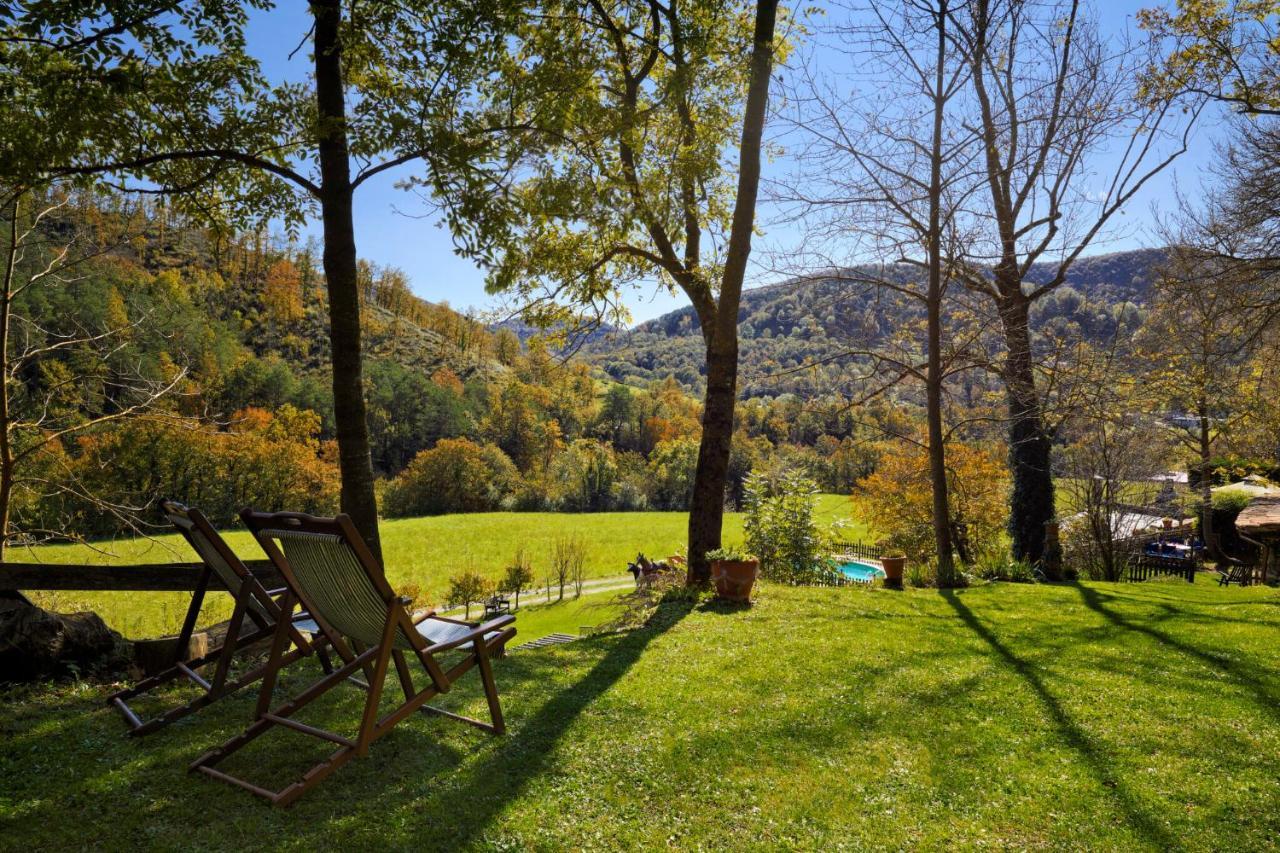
(549, 640)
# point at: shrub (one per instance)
(730, 555)
(584, 477)
(1232, 469)
(519, 575)
(898, 498)
(781, 532)
(264, 460)
(457, 475)
(671, 468)
(1002, 567)
(921, 573)
(1231, 501)
(467, 588)
(1227, 504)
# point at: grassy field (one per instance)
(537, 617)
(421, 552)
(1091, 716)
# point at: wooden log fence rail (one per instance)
(149, 577)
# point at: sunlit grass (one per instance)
(421, 552)
(1101, 717)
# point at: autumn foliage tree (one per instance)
(166, 99)
(898, 497)
(636, 180)
(457, 475)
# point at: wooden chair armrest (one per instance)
(424, 616)
(492, 626)
(457, 621)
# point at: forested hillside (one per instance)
(184, 363)
(820, 321)
(165, 360)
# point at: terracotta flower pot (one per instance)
(893, 567)
(734, 578)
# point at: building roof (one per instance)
(1260, 517)
(1134, 524)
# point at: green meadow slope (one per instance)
(420, 552)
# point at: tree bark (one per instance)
(933, 302)
(1207, 532)
(1032, 500)
(6, 436)
(706, 510)
(355, 462)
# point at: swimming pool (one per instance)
(860, 571)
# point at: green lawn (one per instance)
(422, 552)
(1091, 716)
(537, 617)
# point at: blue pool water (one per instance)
(856, 570)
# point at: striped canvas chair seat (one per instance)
(336, 584)
(215, 561)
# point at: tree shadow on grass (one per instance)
(723, 606)
(1243, 675)
(464, 806)
(1071, 732)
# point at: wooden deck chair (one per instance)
(336, 578)
(255, 616)
(1239, 574)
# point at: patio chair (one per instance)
(255, 617)
(1238, 574)
(332, 572)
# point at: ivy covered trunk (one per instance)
(1031, 503)
(355, 463)
(706, 509)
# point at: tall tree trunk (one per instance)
(1207, 532)
(706, 511)
(355, 463)
(933, 378)
(6, 436)
(1032, 501)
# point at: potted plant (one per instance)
(734, 573)
(893, 562)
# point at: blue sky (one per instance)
(392, 227)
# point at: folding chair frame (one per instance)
(250, 591)
(485, 641)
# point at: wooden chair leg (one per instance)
(229, 644)
(278, 644)
(260, 726)
(490, 687)
(406, 678)
(379, 676)
(193, 613)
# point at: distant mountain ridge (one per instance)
(799, 321)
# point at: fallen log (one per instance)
(36, 644)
